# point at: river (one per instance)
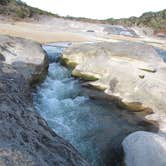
(95, 128)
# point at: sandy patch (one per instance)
(40, 34)
(59, 30)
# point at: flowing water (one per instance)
(162, 53)
(93, 127)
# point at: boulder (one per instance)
(145, 148)
(31, 61)
(25, 137)
(131, 73)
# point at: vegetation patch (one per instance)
(155, 20)
(17, 8)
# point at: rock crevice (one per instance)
(25, 137)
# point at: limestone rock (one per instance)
(132, 73)
(25, 56)
(144, 148)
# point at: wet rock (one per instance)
(25, 137)
(162, 53)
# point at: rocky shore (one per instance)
(25, 137)
(131, 74)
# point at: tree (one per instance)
(4, 2)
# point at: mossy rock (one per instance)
(99, 87)
(135, 107)
(84, 76)
(132, 106)
(66, 62)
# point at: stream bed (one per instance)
(95, 128)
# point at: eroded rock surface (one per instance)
(25, 138)
(133, 74)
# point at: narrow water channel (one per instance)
(93, 127)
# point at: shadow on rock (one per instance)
(25, 137)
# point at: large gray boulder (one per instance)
(25, 56)
(25, 138)
(132, 74)
(145, 149)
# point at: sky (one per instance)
(98, 9)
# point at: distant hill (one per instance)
(155, 20)
(19, 9)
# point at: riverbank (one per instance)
(132, 75)
(94, 127)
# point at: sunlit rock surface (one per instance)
(25, 56)
(131, 73)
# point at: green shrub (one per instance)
(4, 2)
(20, 13)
